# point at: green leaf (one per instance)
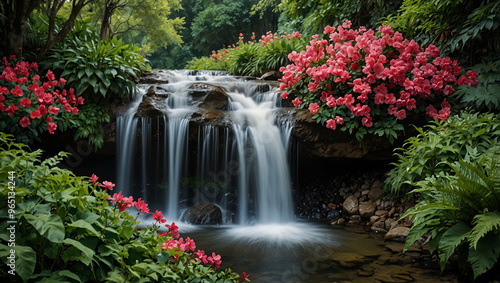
(49, 226)
(485, 255)
(162, 257)
(84, 225)
(450, 240)
(483, 224)
(86, 252)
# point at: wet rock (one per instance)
(351, 205)
(376, 192)
(271, 75)
(367, 209)
(397, 234)
(205, 213)
(209, 96)
(349, 260)
(150, 107)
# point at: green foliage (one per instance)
(88, 123)
(426, 154)
(485, 96)
(469, 27)
(313, 16)
(100, 70)
(67, 231)
(461, 209)
(251, 58)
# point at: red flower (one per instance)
(173, 230)
(141, 206)
(25, 122)
(214, 260)
(50, 75)
(201, 256)
(331, 124)
(313, 108)
(35, 114)
(25, 102)
(17, 91)
(93, 178)
(74, 110)
(11, 109)
(158, 216)
(284, 95)
(51, 127)
(107, 185)
(53, 110)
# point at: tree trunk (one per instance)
(105, 26)
(17, 13)
(52, 38)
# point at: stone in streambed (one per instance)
(367, 209)
(205, 213)
(351, 205)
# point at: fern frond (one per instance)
(483, 224)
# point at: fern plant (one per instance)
(424, 155)
(461, 210)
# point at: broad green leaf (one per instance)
(84, 225)
(49, 226)
(450, 240)
(86, 252)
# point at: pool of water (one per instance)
(311, 252)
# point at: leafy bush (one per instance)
(426, 154)
(88, 123)
(67, 228)
(461, 210)
(97, 69)
(252, 58)
(31, 104)
(367, 83)
(485, 96)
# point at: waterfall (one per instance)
(242, 166)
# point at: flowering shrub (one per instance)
(31, 104)
(361, 81)
(68, 228)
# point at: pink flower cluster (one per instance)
(360, 71)
(25, 95)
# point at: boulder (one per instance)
(271, 75)
(376, 192)
(202, 214)
(367, 209)
(397, 234)
(209, 96)
(351, 205)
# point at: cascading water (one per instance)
(242, 168)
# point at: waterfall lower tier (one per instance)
(175, 163)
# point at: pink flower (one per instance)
(188, 245)
(367, 122)
(214, 260)
(201, 256)
(297, 102)
(331, 124)
(53, 110)
(51, 127)
(141, 206)
(170, 244)
(173, 230)
(107, 185)
(313, 108)
(284, 95)
(50, 75)
(93, 178)
(158, 216)
(401, 114)
(25, 122)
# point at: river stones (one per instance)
(203, 214)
